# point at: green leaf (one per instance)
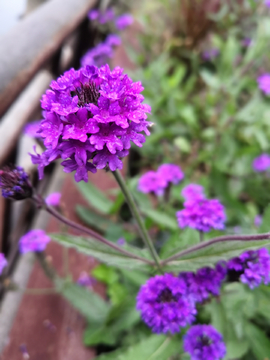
(178, 242)
(182, 144)
(259, 342)
(101, 334)
(160, 218)
(156, 347)
(92, 219)
(236, 349)
(89, 304)
(210, 255)
(103, 252)
(95, 197)
(265, 226)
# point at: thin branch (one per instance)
(214, 241)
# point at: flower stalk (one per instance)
(135, 212)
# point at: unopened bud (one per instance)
(15, 184)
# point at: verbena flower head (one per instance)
(202, 215)
(210, 54)
(151, 181)
(3, 262)
(93, 14)
(15, 183)
(32, 128)
(34, 240)
(205, 282)
(91, 117)
(264, 83)
(258, 220)
(253, 267)
(261, 163)
(204, 342)
(171, 173)
(113, 40)
(53, 199)
(124, 21)
(164, 304)
(193, 191)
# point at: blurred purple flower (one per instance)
(267, 3)
(3, 262)
(264, 83)
(170, 173)
(124, 21)
(210, 54)
(253, 267)
(151, 181)
(247, 42)
(53, 199)
(258, 220)
(202, 215)
(86, 280)
(193, 191)
(93, 14)
(113, 40)
(34, 240)
(261, 163)
(98, 56)
(204, 342)
(15, 184)
(121, 242)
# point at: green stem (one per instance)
(135, 212)
(201, 236)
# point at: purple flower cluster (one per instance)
(53, 199)
(34, 240)
(253, 267)
(3, 262)
(32, 128)
(258, 220)
(124, 21)
(264, 83)
(157, 181)
(210, 54)
(14, 183)
(200, 213)
(101, 53)
(164, 304)
(205, 282)
(204, 342)
(101, 16)
(261, 163)
(86, 280)
(91, 117)
(193, 191)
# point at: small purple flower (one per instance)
(204, 342)
(86, 280)
(3, 262)
(98, 56)
(124, 21)
(171, 173)
(267, 3)
(106, 16)
(193, 191)
(113, 40)
(258, 220)
(264, 83)
(164, 304)
(93, 14)
(152, 182)
(34, 240)
(205, 282)
(210, 54)
(253, 267)
(53, 199)
(261, 163)
(32, 128)
(246, 42)
(15, 184)
(91, 116)
(121, 242)
(202, 215)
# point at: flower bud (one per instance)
(15, 184)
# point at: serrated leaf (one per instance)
(178, 242)
(102, 252)
(89, 304)
(92, 219)
(160, 218)
(156, 347)
(95, 197)
(210, 255)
